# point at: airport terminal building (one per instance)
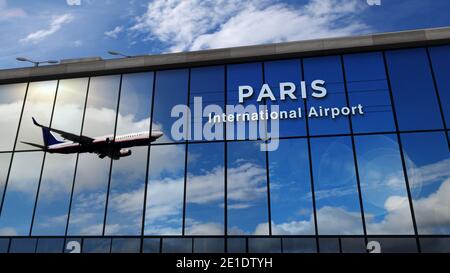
(360, 161)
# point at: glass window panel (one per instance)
(236, 245)
(164, 209)
(20, 194)
(440, 58)
(177, 245)
(329, 69)
(435, 245)
(396, 245)
(92, 174)
(353, 245)
(413, 90)
(208, 84)
(38, 104)
(54, 195)
(170, 89)
(96, 245)
(4, 245)
(151, 245)
(290, 189)
(335, 185)
(50, 245)
(383, 186)
(299, 245)
(209, 245)
(205, 189)
(126, 196)
(329, 245)
(264, 245)
(277, 72)
(428, 166)
(57, 177)
(5, 160)
(126, 245)
(23, 245)
(11, 102)
(243, 74)
(367, 85)
(247, 189)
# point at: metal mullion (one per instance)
(186, 157)
(355, 159)
(13, 149)
(78, 156)
(269, 212)
(311, 175)
(144, 209)
(402, 156)
(436, 89)
(43, 163)
(111, 161)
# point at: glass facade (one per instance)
(347, 184)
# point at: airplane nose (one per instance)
(157, 134)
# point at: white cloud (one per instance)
(224, 23)
(7, 13)
(55, 25)
(73, 2)
(114, 33)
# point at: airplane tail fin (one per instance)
(34, 144)
(49, 138)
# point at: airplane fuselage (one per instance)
(107, 143)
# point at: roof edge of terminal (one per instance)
(339, 45)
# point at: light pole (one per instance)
(115, 53)
(36, 63)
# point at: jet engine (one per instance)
(124, 152)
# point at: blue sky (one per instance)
(59, 29)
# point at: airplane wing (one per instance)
(67, 135)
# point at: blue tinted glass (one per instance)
(58, 173)
(177, 245)
(170, 89)
(4, 245)
(264, 245)
(335, 186)
(5, 160)
(151, 245)
(97, 245)
(412, 87)
(92, 174)
(290, 189)
(329, 69)
(367, 85)
(20, 196)
(164, 207)
(428, 166)
(126, 245)
(126, 196)
(50, 245)
(209, 245)
(38, 104)
(247, 189)
(205, 189)
(440, 58)
(22, 245)
(236, 245)
(277, 72)
(207, 83)
(11, 102)
(299, 245)
(249, 74)
(383, 187)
